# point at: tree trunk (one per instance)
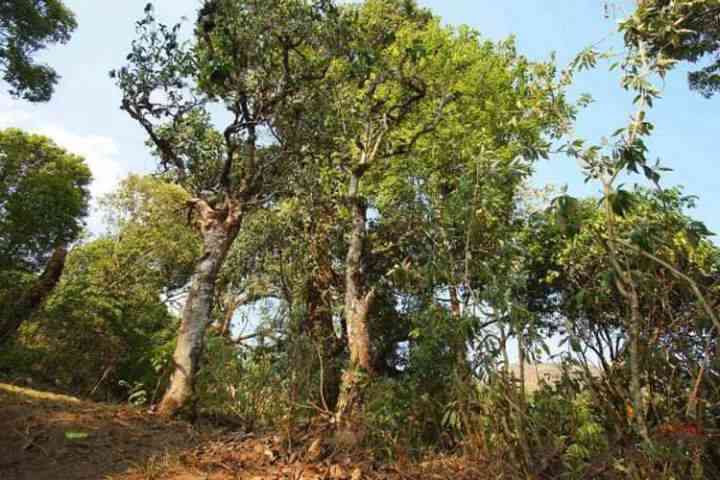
(459, 342)
(230, 306)
(319, 325)
(628, 288)
(635, 364)
(16, 312)
(217, 237)
(358, 300)
(319, 328)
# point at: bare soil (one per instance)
(45, 436)
(50, 436)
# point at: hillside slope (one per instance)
(45, 436)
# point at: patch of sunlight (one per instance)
(37, 395)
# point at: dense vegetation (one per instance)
(342, 231)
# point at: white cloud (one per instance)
(99, 152)
(13, 118)
(11, 115)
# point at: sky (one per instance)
(84, 114)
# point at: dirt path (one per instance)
(44, 436)
(47, 436)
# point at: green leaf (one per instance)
(696, 231)
(621, 202)
(76, 435)
(566, 214)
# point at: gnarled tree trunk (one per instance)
(358, 301)
(17, 311)
(219, 229)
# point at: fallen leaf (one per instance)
(76, 435)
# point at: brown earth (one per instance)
(46, 436)
(50, 436)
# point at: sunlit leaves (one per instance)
(674, 31)
(44, 197)
(151, 216)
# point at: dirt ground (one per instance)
(48, 436)
(45, 436)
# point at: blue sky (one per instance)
(84, 115)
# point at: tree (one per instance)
(118, 294)
(43, 200)
(406, 82)
(576, 287)
(27, 27)
(458, 191)
(148, 217)
(291, 254)
(380, 82)
(18, 306)
(255, 59)
(679, 30)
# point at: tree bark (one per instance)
(218, 235)
(319, 328)
(459, 342)
(628, 289)
(16, 312)
(319, 325)
(635, 363)
(358, 301)
(231, 306)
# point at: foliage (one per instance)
(675, 31)
(26, 28)
(147, 215)
(168, 86)
(250, 386)
(371, 193)
(116, 295)
(43, 199)
(259, 62)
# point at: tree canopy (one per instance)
(680, 31)
(26, 28)
(44, 196)
(343, 243)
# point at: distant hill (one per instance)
(550, 372)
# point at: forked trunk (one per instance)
(358, 300)
(18, 310)
(217, 239)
